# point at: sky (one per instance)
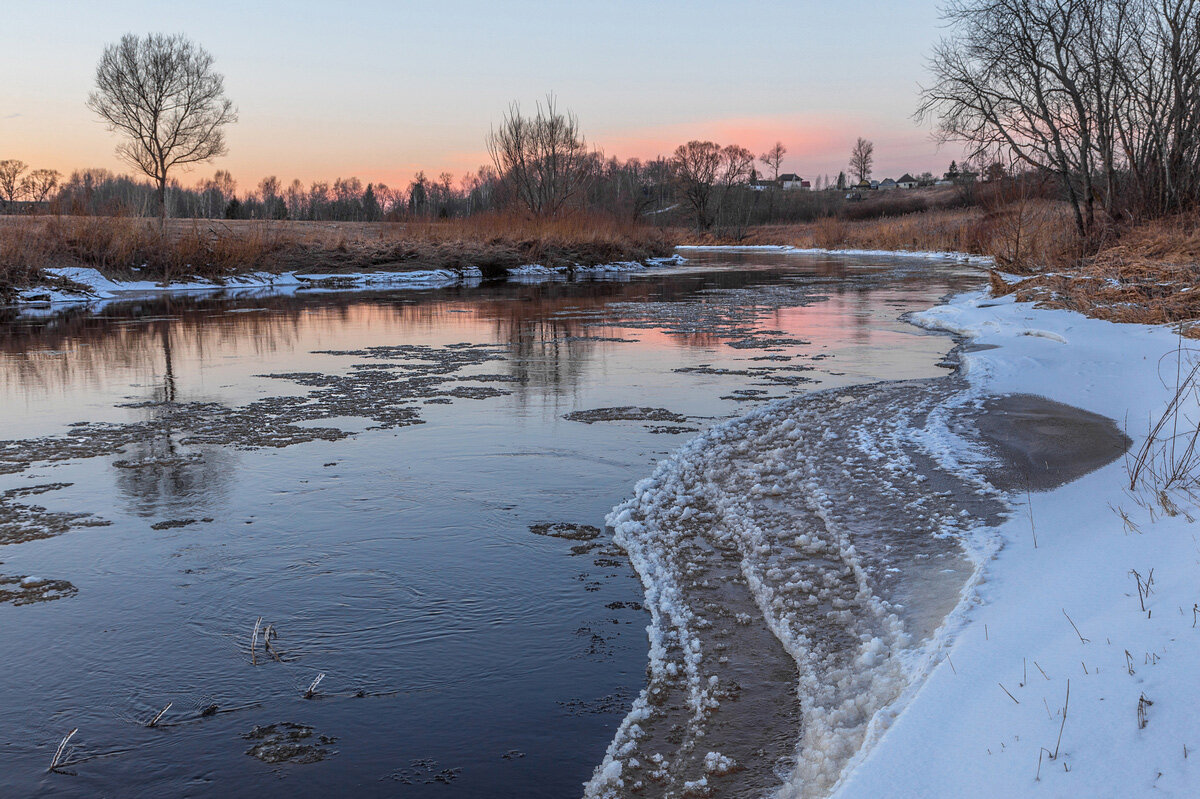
(379, 90)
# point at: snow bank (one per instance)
(99, 288)
(960, 733)
(961, 257)
(783, 529)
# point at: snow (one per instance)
(961, 257)
(1013, 630)
(970, 709)
(100, 289)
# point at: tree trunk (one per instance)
(162, 201)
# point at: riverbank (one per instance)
(39, 255)
(1092, 583)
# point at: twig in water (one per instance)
(154, 720)
(254, 642)
(62, 747)
(1082, 640)
(268, 634)
(1010, 696)
(312, 689)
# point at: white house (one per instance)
(907, 182)
(789, 181)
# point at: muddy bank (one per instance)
(797, 563)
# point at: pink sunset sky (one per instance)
(380, 90)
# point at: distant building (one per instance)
(907, 182)
(887, 184)
(789, 181)
(864, 185)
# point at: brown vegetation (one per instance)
(1149, 275)
(123, 247)
(1018, 235)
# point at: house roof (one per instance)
(886, 180)
(789, 176)
(907, 179)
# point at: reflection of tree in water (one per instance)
(545, 326)
(158, 475)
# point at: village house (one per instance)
(790, 181)
(887, 184)
(907, 182)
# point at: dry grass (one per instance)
(1018, 235)
(1148, 275)
(219, 249)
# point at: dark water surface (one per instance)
(362, 471)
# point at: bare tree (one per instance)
(697, 166)
(862, 157)
(773, 159)
(38, 184)
(163, 95)
(543, 158)
(10, 182)
(1102, 94)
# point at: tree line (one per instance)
(166, 102)
(1103, 95)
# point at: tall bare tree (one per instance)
(543, 158)
(10, 181)
(38, 184)
(862, 158)
(1102, 94)
(697, 167)
(162, 94)
(773, 159)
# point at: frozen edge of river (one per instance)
(936, 255)
(956, 732)
(102, 290)
(986, 698)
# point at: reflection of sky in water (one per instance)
(397, 561)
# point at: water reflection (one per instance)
(399, 561)
(549, 328)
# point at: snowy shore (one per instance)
(1067, 608)
(97, 289)
(1088, 581)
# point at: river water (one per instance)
(404, 492)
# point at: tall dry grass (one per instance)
(1148, 274)
(1021, 236)
(219, 249)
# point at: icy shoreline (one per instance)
(935, 255)
(977, 708)
(100, 289)
(1065, 560)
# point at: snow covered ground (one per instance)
(1091, 583)
(1068, 608)
(936, 255)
